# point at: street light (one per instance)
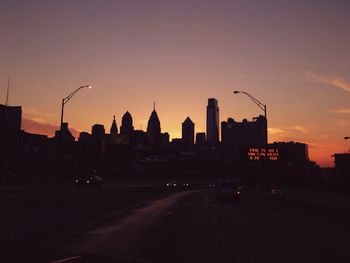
(256, 101)
(261, 106)
(66, 99)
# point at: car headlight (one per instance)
(87, 182)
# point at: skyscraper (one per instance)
(114, 128)
(213, 122)
(188, 132)
(126, 128)
(153, 128)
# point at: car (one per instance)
(185, 184)
(228, 191)
(276, 191)
(178, 185)
(172, 184)
(90, 181)
(212, 185)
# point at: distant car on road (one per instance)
(177, 184)
(172, 184)
(89, 181)
(276, 191)
(212, 185)
(269, 189)
(186, 184)
(228, 191)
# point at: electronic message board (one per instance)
(260, 154)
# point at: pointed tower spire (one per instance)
(114, 128)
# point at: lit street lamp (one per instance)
(260, 105)
(66, 99)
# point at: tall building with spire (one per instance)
(213, 122)
(188, 132)
(127, 127)
(153, 127)
(114, 128)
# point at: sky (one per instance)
(293, 56)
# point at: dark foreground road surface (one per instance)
(193, 227)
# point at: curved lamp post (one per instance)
(66, 99)
(256, 101)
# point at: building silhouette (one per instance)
(139, 140)
(98, 130)
(295, 153)
(245, 133)
(114, 128)
(212, 122)
(188, 133)
(342, 163)
(153, 128)
(65, 135)
(127, 127)
(342, 172)
(201, 138)
(237, 137)
(164, 138)
(10, 119)
(84, 137)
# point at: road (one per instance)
(192, 227)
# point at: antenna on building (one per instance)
(8, 91)
(154, 105)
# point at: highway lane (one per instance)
(34, 217)
(193, 227)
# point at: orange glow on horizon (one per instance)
(321, 155)
(179, 54)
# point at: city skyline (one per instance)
(181, 53)
(174, 131)
(50, 130)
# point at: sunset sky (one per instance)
(292, 55)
